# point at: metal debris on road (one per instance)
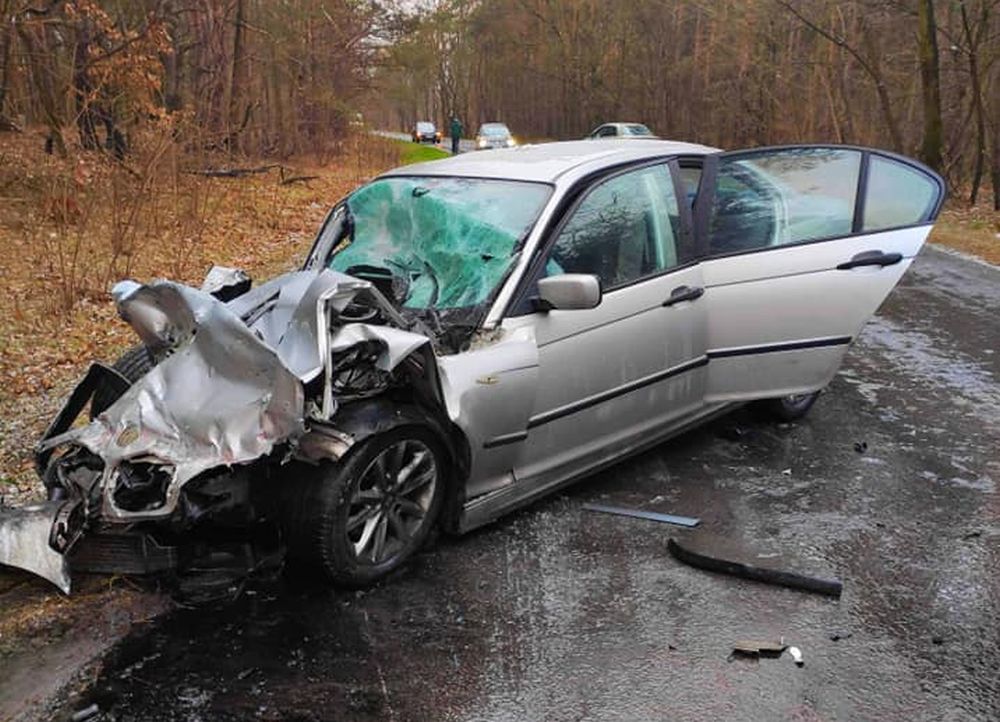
(797, 656)
(86, 713)
(759, 648)
(861, 446)
(829, 587)
(687, 521)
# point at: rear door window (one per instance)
(780, 197)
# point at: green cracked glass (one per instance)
(453, 239)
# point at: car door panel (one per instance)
(784, 306)
(611, 373)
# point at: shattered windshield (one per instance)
(448, 241)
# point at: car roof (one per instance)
(547, 162)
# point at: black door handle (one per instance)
(871, 258)
(684, 293)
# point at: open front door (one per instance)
(802, 245)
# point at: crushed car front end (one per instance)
(238, 391)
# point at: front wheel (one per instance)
(789, 408)
(368, 514)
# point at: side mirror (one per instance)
(568, 291)
(226, 283)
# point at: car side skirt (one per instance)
(487, 508)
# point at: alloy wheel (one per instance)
(391, 500)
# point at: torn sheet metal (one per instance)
(221, 397)
(397, 344)
(24, 542)
(225, 393)
(292, 326)
(226, 283)
(228, 388)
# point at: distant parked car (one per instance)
(494, 135)
(424, 131)
(621, 130)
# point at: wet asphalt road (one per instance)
(559, 614)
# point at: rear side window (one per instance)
(897, 195)
(780, 197)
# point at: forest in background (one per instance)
(920, 77)
(286, 77)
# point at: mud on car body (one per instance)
(466, 336)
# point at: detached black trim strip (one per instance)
(774, 348)
(612, 393)
(505, 439)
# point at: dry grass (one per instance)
(70, 228)
(971, 230)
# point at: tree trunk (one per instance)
(237, 79)
(930, 78)
(83, 90)
(6, 43)
(995, 171)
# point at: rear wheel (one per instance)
(367, 515)
(788, 408)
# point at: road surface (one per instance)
(464, 144)
(556, 613)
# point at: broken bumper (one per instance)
(25, 541)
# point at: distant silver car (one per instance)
(468, 335)
(494, 135)
(621, 130)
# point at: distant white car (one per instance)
(494, 135)
(621, 130)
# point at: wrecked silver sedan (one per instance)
(466, 336)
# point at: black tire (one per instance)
(133, 365)
(788, 408)
(354, 531)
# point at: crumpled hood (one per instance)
(229, 387)
(222, 396)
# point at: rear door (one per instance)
(802, 245)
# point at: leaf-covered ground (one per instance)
(975, 231)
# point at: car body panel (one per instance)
(781, 315)
(606, 374)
